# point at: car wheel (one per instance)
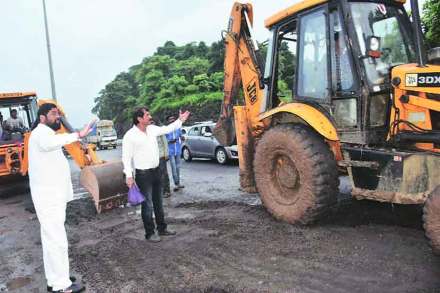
(221, 156)
(186, 154)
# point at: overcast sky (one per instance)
(93, 40)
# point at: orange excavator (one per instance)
(346, 87)
(104, 180)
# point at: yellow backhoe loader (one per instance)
(355, 93)
(104, 180)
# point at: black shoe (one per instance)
(153, 238)
(74, 288)
(180, 186)
(72, 279)
(176, 188)
(167, 233)
(167, 194)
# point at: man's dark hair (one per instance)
(169, 116)
(14, 110)
(139, 113)
(43, 110)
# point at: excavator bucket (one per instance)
(106, 183)
(224, 131)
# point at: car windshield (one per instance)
(392, 26)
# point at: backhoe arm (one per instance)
(241, 66)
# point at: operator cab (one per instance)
(17, 116)
(320, 55)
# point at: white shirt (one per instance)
(49, 171)
(14, 123)
(140, 149)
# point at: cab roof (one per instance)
(298, 7)
(17, 95)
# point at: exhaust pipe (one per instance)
(417, 28)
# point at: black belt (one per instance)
(145, 171)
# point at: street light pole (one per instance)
(52, 79)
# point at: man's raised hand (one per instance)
(87, 129)
(183, 116)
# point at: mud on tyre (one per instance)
(295, 173)
(431, 220)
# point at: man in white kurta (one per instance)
(51, 189)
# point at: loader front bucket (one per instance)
(106, 183)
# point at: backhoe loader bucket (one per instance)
(106, 184)
(224, 131)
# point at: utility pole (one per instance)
(52, 79)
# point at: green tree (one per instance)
(216, 56)
(202, 50)
(191, 67)
(202, 82)
(431, 22)
(217, 79)
(169, 48)
(115, 98)
(175, 86)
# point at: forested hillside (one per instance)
(188, 77)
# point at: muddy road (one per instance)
(226, 242)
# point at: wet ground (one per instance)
(226, 242)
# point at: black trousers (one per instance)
(149, 183)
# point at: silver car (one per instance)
(200, 143)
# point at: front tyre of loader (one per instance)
(295, 173)
(431, 220)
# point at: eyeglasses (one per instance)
(54, 113)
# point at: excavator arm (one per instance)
(242, 68)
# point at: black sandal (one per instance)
(72, 279)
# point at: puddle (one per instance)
(18, 283)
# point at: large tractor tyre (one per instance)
(295, 173)
(431, 220)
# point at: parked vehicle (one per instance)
(103, 135)
(200, 143)
(185, 130)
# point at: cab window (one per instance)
(312, 56)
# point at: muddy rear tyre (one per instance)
(431, 220)
(296, 174)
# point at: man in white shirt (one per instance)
(140, 155)
(51, 189)
(14, 123)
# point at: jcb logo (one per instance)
(411, 79)
(423, 80)
(251, 90)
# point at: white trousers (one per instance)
(54, 241)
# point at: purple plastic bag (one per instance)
(135, 196)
